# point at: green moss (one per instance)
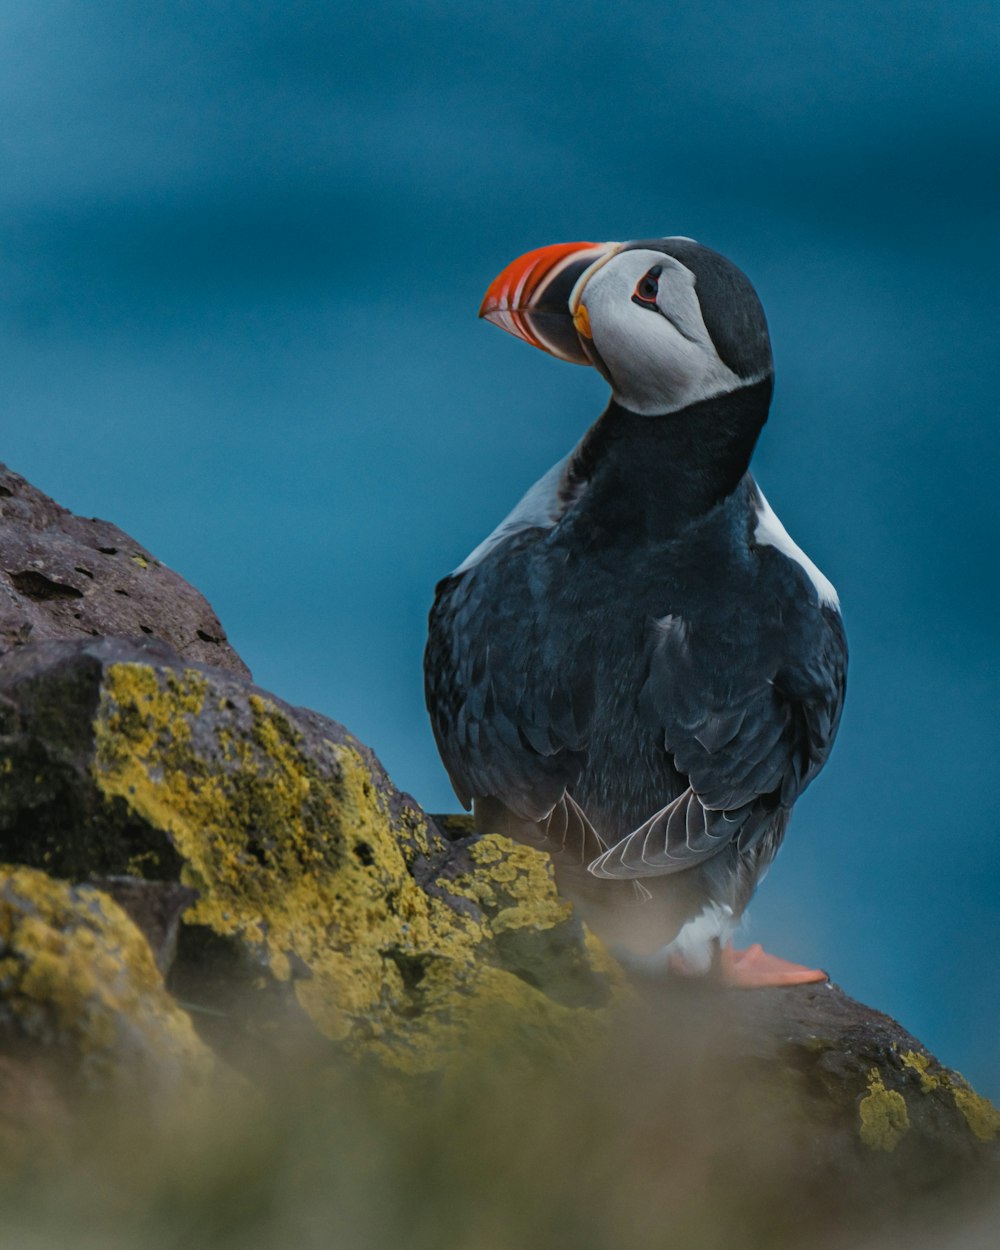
(296, 856)
(884, 1118)
(77, 977)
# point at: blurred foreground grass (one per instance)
(645, 1142)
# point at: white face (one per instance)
(658, 352)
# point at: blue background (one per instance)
(243, 246)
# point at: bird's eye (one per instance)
(647, 287)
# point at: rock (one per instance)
(299, 904)
(155, 908)
(318, 883)
(64, 576)
(80, 994)
(329, 906)
(858, 1094)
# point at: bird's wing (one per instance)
(510, 708)
(565, 832)
(749, 737)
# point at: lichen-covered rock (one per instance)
(66, 576)
(79, 988)
(392, 939)
(847, 1085)
(328, 907)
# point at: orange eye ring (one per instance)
(647, 288)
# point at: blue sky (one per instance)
(243, 246)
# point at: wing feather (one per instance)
(747, 716)
(748, 737)
(510, 709)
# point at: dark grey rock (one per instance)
(65, 576)
(155, 908)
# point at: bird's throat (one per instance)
(654, 475)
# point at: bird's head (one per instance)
(667, 321)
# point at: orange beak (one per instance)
(532, 297)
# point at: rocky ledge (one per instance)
(199, 876)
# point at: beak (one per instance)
(538, 297)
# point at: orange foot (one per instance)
(754, 968)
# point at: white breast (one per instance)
(541, 506)
(771, 533)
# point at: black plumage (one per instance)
(628, 676)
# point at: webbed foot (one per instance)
(754, 968)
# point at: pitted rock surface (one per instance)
(66, 576)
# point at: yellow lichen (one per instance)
(605, 966)
(140, 862)
(293, 854)
(884, 1118)
(78, 976)
(920, 1064)
(979, 1113)
(523, 877)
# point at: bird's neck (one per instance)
(651, 476)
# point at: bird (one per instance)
(639, 671)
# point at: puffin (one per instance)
(639, 671)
